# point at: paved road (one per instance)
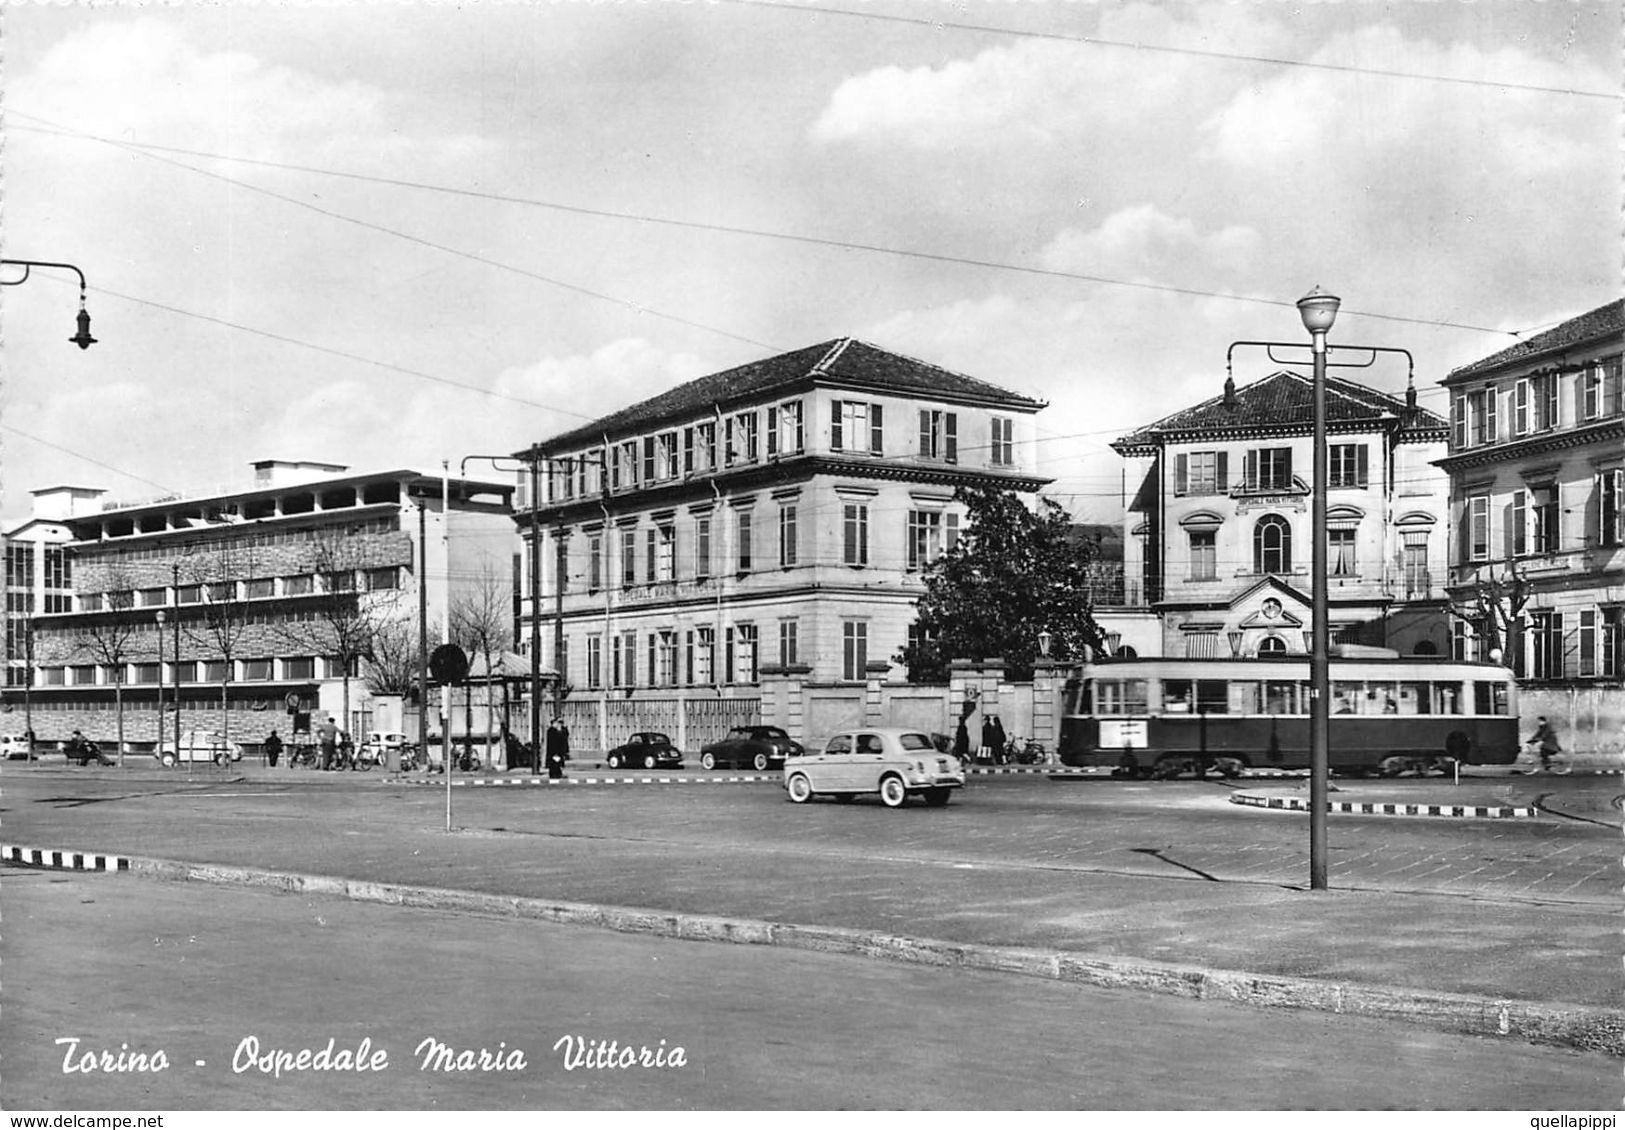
(1518, 910)
(194, 970)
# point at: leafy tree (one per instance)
(1015, 572)
(220, 623)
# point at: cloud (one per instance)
(1143, 242)
(1049, 90)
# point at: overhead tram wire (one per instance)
(635, 307)
(1196, 52)
(728, 229)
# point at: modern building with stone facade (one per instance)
(240, 602)
(1537, 494)
(777, 514)
(1218, 526)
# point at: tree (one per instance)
(347, 610)
(1493, 607)
(108, 639)
(393, 667)
(220, 622)
(1015, 572)
(482, 625)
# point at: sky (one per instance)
(391, 235)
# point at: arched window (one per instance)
(1272, 545)
(1272, 645)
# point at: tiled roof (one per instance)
(843, 361)
(1283, 401)
(1605, 319)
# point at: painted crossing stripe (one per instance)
(1362, 808)
(63, 860)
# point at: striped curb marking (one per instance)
(492, 782)
(1583, 1026)
(1365, 809)
(63, 860)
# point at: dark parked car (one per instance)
(757, 747)
(648, 750)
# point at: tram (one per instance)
(1389, 715)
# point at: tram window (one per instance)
(1381, 698)
(1347, 697)
(1281, 697)
(1448, 696)
(1178, 696)
(1489, 698)
(1415, 698)
(1244, 697)
(1212, 696)
(1120, 696)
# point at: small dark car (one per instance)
(755, 747)
(647, 749)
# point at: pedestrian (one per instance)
(273, 749)
(558, 748)
(1546, 736)
(328, 734)
(962, 743)
(999, 740)
(988, 750)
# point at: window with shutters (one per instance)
(702, 548)
(739, 439)
(1545, 520)
(939, 435)
(1517, 531)
(746, 541)
(1481, 404)
(1547, 389)
(595, 562)
(1523, 404)
(1588, 644)
(789, 639)
(1613, 642)
(595, 661)
(930, 534)
(1610, 490)
(855, 542)
(1546, 637)
(1478, 527)
(1003, 443)
(1204, 555)
(787, 535)
(1346, 465)
(856, 427)
(854, 649)
(1591, 391)
(629, 557)
(1269, 469)
(1201, 472)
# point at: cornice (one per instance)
(1530, 446)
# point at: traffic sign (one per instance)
(448, 664)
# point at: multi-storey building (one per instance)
(1537, 495)
(775, 513)
(243, 601)
(1219, 520)
(39, 581)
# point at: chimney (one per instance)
(1230, 392)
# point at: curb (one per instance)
(1580, 1026)
(63, 860)
(545, 782)
(1361, 808)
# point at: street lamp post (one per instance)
(160, 617)
(1318, 311)
(82, 338)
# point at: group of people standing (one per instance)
(993, 740)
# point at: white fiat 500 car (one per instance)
(895, 764)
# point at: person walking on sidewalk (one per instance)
(273, 749)
(1545, 736)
